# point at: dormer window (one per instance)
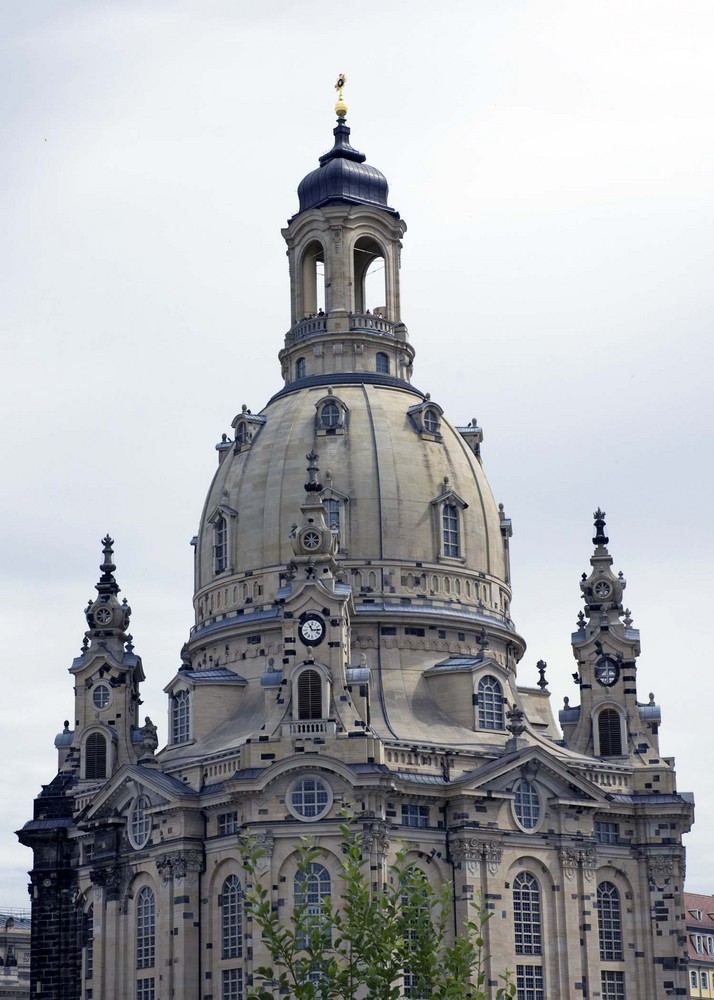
(426, 419)
(242, 434)
(247, 426)
(448, 524)
(382, 363)
(450, 530)
(180, 717)
(431, 420)
(220, 544)
(330, 416)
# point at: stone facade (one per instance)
(353, 648)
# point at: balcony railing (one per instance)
(313, 326)
(309, 728)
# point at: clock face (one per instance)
(103, 615)
(311, 629)
(607, 671)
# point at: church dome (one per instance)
(420, 538)
(343, 175)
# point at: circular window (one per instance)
(602, 589)
(526, 805)
(101, 696)
(103, 616)
(139, 823)
(431, 421)
(311, 539)
(309, 798)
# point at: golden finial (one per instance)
(341, 107)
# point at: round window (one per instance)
(309, 798)
(526, 805)
(101, 696)
(139, 823)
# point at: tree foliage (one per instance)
(378, 941)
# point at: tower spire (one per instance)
(106, 616)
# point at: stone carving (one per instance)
(375, 840)
(262, 842)
(660, 868)
(112, 879)
(470, 852)
(182, 866)
(572, 859)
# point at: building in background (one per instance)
(353, 646)
(14, 954)
(699, 916)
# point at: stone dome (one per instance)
(389, 466)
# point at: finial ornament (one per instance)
(340, 107)
(312, 485)
(600, 536)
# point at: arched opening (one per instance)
(370, 276)
(309, 694)
(609, 733)
(313, 280)
(382, 363)
(95, 756)
(490, 703)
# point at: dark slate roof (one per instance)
(348, 378)
(214, 674)
(343, 175)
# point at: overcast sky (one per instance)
(553, 162)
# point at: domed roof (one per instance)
(389, 475)
(343, 175)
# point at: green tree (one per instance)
(372, 942)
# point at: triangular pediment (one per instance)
(561, 780)
(132, 780)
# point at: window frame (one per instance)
(523, 808)
(181, 717)
(316, 801)
(609, 922)
(527, 914)
(489, 704)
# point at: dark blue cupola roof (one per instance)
(343, 175)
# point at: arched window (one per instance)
(300, 368)
(450, 529)
(180, 720)
(145, 942)
(527, 927)
(526, 804)
(242, 434)
(89, 943)
(383, 362)
(490, 703)
(313, 279)
(369, 275)
(309, 693)
(609, 733)
(332, 515)
(416, 918)
(220, 544)
(609, 922)
(311, 888)
(330, 415)
(431, 420)
(95, 756)
(232, 918)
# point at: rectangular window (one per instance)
(607, 833)
(529, 982)
(414, 815)
(227, 823)
(145, 989)
(232, 984)
(612, 986)
(254, 640)
(415, 631)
